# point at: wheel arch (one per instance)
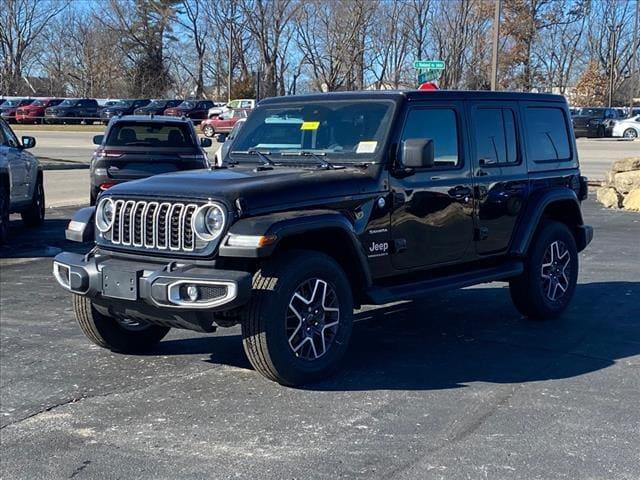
(325, 231)
(561, 205)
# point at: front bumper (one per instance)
(154, 292)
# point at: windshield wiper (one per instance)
(261, 155)
(316, 156)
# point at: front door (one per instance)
(501, 179)
(432, 217)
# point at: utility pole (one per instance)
(229, 60)
(635, 74)
(612, 60)
(496, 38)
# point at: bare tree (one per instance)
(22, 23)
(268, 21)
(192, 19)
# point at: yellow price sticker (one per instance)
(310, 125)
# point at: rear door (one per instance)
(499, 171)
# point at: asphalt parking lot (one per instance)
(456, 386)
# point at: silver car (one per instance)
(21, 183)
(627, 128)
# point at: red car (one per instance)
(8, 109)
(223, 123)
(34, 112)
(196, 110)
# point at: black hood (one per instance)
(260, 190)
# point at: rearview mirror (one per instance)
(205, 142)
(97, 139)
(417, 153)
(28, 142)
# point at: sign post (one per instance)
(428, 70)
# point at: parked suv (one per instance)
(196, 110)
(34, 112)
(73, 110)
(122, 107)
(224, 123)
(328, 202)
(10, 107)
(21, 186)
(135, 147)
(242, 103)
(595, 122)
(157, 107)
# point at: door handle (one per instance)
(460, 193)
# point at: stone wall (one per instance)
(621, 189)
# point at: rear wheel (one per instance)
(4, 214)
(630, 133)
(119, 335)
(548, 282)
(297, 325)
(34, 215)
(208, 131)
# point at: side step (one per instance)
(408, 291)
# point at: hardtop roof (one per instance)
(417, 95)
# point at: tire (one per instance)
(273, 323)
(109, 333)
(630, 133)
(208, 131)
(4, 214)
(545, 288)
(34, 215)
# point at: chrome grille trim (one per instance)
(151, 225)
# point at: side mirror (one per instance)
(205, 142)
(28, 142)
(220, 138)
(417, 153)
(97, 139)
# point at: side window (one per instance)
(547, 135)
(495, 133)
(3, 138)
(245, 104)
(233, 104)
(441, 126)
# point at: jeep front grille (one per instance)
(150, 225)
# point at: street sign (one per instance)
(428, 65)
(428, 76)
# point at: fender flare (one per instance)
(534, 213)
(284, 225)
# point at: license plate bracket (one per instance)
(120, 284)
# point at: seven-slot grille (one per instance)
(154, 225)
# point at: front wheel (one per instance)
(34, 215)
(548, 282)
(630, 133)
(297, 326)
(208, 131)
(119, 335)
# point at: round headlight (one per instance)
(104, 215)
(208, 222)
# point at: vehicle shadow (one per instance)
(47, 240)
(464, 336)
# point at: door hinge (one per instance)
(399, 245)
(482, 233)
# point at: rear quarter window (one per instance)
(547, 134)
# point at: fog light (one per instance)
(192, 293)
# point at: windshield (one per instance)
(11, 103)
(39, 103)
(69, 103)
(157, 104)
(592, 111)
(343, 129)
(149, 134)
(187, 104)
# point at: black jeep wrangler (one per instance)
(328, 202)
